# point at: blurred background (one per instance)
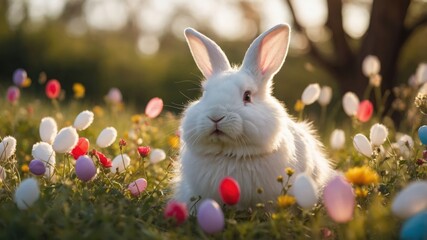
(138, 45)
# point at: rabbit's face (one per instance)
(236, 115)
(233, 117)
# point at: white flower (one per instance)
(304, 191)
(83, 120)
(362, 145)
(157, 155)
(66, 140)
(44, 152)
(405, 144)
(311, 94)
(421, 73)
(411, 200)
(337, 139)
(106, 137)
(378, 134)
(27, 193)
(48, 129)
(350, 103)
(7, 147)
(120, 163)
(2, 173)
(371, 65)
(325, 96)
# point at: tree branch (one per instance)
(314, 52)
(343, 52)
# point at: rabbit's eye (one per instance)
(247, 97)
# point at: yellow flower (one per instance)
(25, 168)
(289, 171)
(361, 175)
(79, 90)
(98, 111)
(299, 106)
(361, 192)
(173, 141)
(136, 118)
(285, 201)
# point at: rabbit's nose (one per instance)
(216, 119)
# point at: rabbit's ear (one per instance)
(267, 53)
(206, 53)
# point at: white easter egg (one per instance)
(337, 139)
(362, 145)
(310, 94)
(378, 134)
(83, 120)
(120, 163)
(157, 155)
(325, 96)
(350, 103)
(305, 191)
(66, 140)
(44, 152)
(106, 137)
(48, 129)
(27, 193)
(7, 147)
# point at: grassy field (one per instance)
(103, 208)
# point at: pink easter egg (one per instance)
(138, 186)
(154, 107)
(339, 199)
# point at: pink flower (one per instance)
(339, 199)
(144, 151)
(53, 89)
(176, 210)
(13, 94)
(365, 110)
(229, 190)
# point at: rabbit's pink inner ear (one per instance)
(200, 55)
(272, 51)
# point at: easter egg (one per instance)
(229, 191)
(177, 211)
(85, 168)
(120, 163)
(66, 140)
(137, 186)
(154, 107)
(422, 134)
(339, 199)
(411, 200)
(157, 155)
(210, 216)
(305, 191)
(27, 193)
(83, 120)
(106, 137)
(415, 227)
(81, 148)
(19, 77)
(48, 129)
(37, 167)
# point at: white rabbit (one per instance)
(238, 129)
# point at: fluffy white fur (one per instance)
(253, 142)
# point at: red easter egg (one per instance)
(229, 190)
(81, 148)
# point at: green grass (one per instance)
(103, 208)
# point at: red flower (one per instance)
(106, 162)
(53, 89)
(176, 210)
(122, 142)
(81, 148)
(365, 111)
(229, 190)
(144, 151)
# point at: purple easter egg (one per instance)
(37, 167)
(19, 77)
(210, 216)
(85, 168)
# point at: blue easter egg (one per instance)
(415, 227)
(210, 216)
(422, 134)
